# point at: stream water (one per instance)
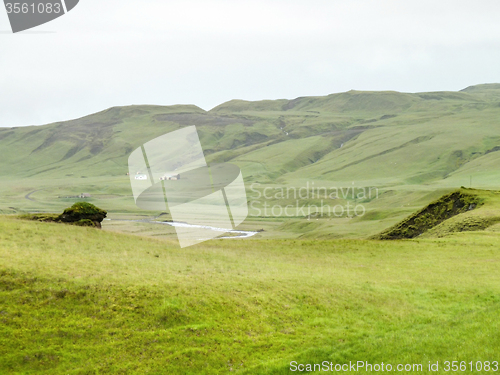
(240, 233)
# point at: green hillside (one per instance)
(460, 211)
(411, 147)
(79, 300)
(441, 130)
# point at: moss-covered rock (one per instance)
(83, 213)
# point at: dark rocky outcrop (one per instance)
(81, 213)
(432, 215)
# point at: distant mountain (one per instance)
(384, 138)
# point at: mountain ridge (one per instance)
(322, 137)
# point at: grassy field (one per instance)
(84, 301)
(308, 287)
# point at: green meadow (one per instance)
(83, 301)
(314, 284)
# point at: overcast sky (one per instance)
(121, 52)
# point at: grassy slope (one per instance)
(459, 211)
(83, 301)
(410, 146)
(379, 130)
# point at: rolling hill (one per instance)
(412, 147)
(411, 138)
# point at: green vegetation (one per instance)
(461, 211)
(306, 288)
(80, 301)
(81, 213)
(435, 213)
(412, 147)
(46, 218)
